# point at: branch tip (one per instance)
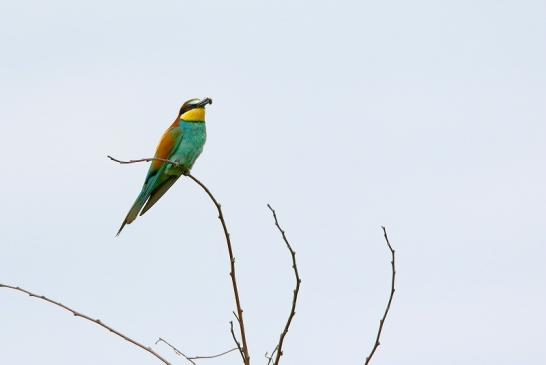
(382, 320)
(278, 348)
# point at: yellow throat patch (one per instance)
(194, 115)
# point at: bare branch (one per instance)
(245, 351)
(382, 321)
(296, 291)
(97, 321)
(239, 316)
(192, 358)
(143, 160)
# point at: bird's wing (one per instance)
(168, 144)
(156, 179)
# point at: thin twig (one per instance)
(382, 321)
(97, 321)
(236, 341)
(235, 337)
(245, 352)
(296, 290)
(270, 357)
(214, 356)
(192, 358)
(176, 351)
(143, 160)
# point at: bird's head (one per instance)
(193, 110)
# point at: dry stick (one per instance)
(97, 321)
(191, 358)
(296, 291)
(244, 350)
(382, 321)
(244, 353)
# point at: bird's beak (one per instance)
(204, 102)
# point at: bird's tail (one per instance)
(135, 209)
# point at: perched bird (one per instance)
(182, 142)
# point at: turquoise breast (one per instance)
(194, 135)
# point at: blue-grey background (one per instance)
(427, 117)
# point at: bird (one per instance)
(182, 142)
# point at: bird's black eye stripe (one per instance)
(184, 109)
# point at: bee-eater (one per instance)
(182, 142)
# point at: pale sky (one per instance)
(427, 117)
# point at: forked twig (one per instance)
(382, 321)
(270, 357)
(278, 348)
(192, 358)
(244, 349)
(84, 316)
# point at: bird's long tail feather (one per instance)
(135, 209)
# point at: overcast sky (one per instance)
(427, 117)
